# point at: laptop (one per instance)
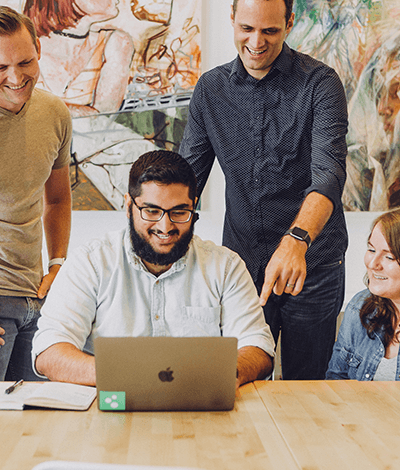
(165, 373)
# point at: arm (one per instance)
(323, 196)
(64, 362)
(338, 367)
(350, 346)
(196, 147)
(253, 364)
(114, 76)
(67, 318)
(242, 317)
(288, 264)
(56, 221)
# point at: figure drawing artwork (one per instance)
(126, 69)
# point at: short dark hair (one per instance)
(288, 5)
(162, 166)
(11, 22)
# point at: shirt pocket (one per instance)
(353, 360)
(201, 321)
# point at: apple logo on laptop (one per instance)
(166, 375)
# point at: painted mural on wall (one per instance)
(126, 70)
(360, 39)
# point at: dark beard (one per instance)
(144, 250)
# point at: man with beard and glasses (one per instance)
(154, 278)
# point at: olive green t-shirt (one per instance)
(32, 143)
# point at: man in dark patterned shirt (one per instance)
(277, 119)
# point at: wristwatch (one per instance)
(54, 261)
(299, 234)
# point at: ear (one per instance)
(232, 15)
(290, 23)
(38, 47)
(128, 203)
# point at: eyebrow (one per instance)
(25, 61)
(385, 251)
(154, 206)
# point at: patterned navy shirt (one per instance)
(277, 139)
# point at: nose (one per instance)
(374, 262)
(165, 224)
(256, 40)
(14, 76)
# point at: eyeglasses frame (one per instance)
(163, 212)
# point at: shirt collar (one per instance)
(22, 112)
(283, 63)
(138, 264)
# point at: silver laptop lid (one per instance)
(165, 373)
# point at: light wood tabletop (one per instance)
(274, 425)
(337, 425)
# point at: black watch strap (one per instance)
(299, 234)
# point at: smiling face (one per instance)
(382, 267)
(161, 243)
(259, 29)
(19, 69)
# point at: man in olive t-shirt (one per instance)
(35, 129)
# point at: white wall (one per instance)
(218, 48)
(93, 224)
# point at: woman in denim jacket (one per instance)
(367, 347)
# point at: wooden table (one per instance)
(278, 425)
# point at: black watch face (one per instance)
(299, 232)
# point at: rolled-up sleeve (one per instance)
(241, 314)
(328, 137)
(70, 308)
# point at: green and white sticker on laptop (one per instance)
(112, 401)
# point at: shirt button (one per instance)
(367, 376)
(157, 317)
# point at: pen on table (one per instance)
(14, 386)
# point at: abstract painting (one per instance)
(360, 39)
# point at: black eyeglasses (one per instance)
(154, 214)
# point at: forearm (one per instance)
(314, 214)
(253, 364)
(57, 227)
(63, 362)
(287, 269)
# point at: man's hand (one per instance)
(286, 270)
(47, 281)
(2, 343)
